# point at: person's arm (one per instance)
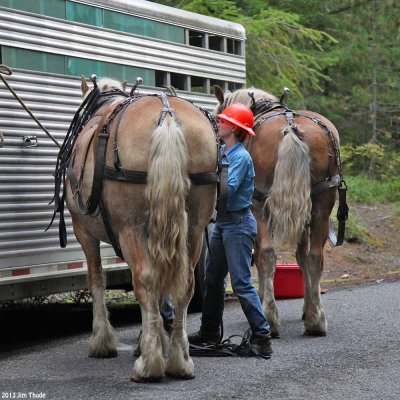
(236, 172)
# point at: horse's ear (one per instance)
(219, 93)
(84, 85)
(124, 83)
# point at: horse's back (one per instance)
(132, 136)
(140, 121)
(269, 136)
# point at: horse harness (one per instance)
(65, 160)
(266, 109)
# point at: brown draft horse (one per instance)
(290, 157)
(158, 225)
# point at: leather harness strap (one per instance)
(336, 181)
(101, 171)
(93, 101)
(317, 189)
(104, 134)
(140, 177)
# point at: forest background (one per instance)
(339, 58)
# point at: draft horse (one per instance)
(297, 164)
(141, 175)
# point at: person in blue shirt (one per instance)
(232, 240)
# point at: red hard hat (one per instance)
(239, 115)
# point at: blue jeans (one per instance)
(166, 310)
(231, 247)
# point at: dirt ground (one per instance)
(371, 252)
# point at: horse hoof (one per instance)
(186, 377)
(314, 333)
(103, 354)
(150, 379)
(275, 335)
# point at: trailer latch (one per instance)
(30, 141)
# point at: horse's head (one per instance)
(244, 96)
(103, 84)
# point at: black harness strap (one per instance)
(93, 101)
(259, 195)
(342, 215)
(317, 189)
(222, 202)
(110, 233)
(325, 185)
(75, 190)
(94, 198)
(140, 177)
(95, 203)
(226, 348)
(333, 151)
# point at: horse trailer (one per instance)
(49, 44)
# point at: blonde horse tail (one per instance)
(167, 189)
(288, 206)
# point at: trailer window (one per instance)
(232, 86)
(142, 26)
(196, 39)
(213, 82)
(198, 84)
(80, 66)
(237, 47)
(33, 60)
(161, 78)
(65, 65)
(178, 81)
(54, 8)
(85, 14)
(234, 46)
(215, 42)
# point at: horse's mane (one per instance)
(242, 96)
(108, 83)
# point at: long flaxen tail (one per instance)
(167, 189)
(288, 206)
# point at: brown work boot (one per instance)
(209, 336)
(256, 347)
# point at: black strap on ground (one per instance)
(227, 348)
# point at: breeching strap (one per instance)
(330, 182)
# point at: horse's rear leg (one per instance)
(302, 259)
(180, 365)
(312, 264)
(150, 366)
(265, 258)
(102, 342)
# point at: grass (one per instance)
(367, 191)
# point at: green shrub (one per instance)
(369, 191)
(372, 159)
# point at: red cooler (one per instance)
(288, 282)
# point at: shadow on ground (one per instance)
(25, 325)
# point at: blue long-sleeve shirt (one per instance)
(240, 177)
